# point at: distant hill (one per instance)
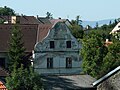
(100, 22)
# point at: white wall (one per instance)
(59, 34)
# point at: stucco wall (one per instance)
(112, 83)
(60, 33)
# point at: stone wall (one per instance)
(112, 83)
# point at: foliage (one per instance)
(97, 58)
(77, 31)
(22, 79)
(92, 53)
(112, 59)
(49, 15)
(76, 28)
(16, 48)
(6, 11)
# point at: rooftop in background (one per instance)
(44, 20)
(19, 20)
(2, 86)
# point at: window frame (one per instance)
(68, 44)
(68, 62)
(52, 44)
(2, 62)
(49, 63)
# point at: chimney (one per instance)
(37, 16)
(59, 18)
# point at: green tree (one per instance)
(77, 31)
(6, 11)
(16, 48)
(77, 28)
(22, 79)
(78, 21)
(93, 52)
(112, 59)
(49, 15)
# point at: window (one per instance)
(68, 44)
(49, 62)
(68, 62)
(52, 44)
(2, 62)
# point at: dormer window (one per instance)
(52, 44)
(68, 44)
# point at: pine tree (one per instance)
(16, 48)
(23, 79)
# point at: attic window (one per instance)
(68, 44)
(52, 44)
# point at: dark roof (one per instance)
(21, 19)
(29, 36)
(3, 72)
(44, 20)
(68, 82)
(28, 20)
(106, 76)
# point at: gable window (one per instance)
(2, 62)
(68, 43)
(49, 62)
(68, 62)
(52, 44)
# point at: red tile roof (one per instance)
(2, 87)
(43, 31)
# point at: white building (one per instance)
(56, 51)
(116, 29)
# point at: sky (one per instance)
(91, 10)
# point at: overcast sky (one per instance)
(88, 9)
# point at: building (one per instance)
(116, 29)
(110, 81)
(29, 28)
(56, 50)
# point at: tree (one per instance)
(77, 31)
(49, 15)
(96, 25)
(16, 48)
(77, 28)
(6, 11)
(93, 52)
(78, 21)
(112, 59)
(22, 79)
